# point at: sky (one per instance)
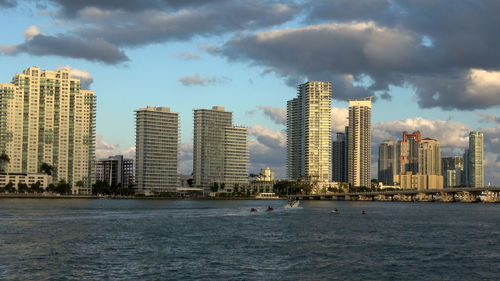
(432, 66)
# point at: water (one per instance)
(221, 240)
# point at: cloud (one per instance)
(267, 149)
(8, 3)
(66, 46)
(339, 118)
(186, 158)
(104, 149)
(85, 77)
(277, 115)
(187, 55)
(488, 118)
(196, 80)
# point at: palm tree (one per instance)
(4, 159)
(46, 168)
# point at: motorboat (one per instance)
(292, 204)
(253, 210)
(336, 211)
(269, 209)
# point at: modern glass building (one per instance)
(476, 156)
(45, 117)
(387, 161)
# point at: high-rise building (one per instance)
(157, 149)
(220, 150)
(429, 157)
(476, 169)
(387, 161)
(453, 170)
(408, 152)
(45, 117)
(359, 142)
(308, 133)
(466, 175)
(339, 157)
(115, 170)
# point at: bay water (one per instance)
(83, 239)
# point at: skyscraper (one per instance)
(308, 132)
(157, 149)
(429, 157)
(359, 142)
(387, 161)
(45, 117)
(220, 152)
(339, 158)
(408, 152)
(476, 170)
(453, 170)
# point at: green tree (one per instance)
(9, 188)
(46, 168)
(36, 187)
(63, 187)
(4, 160)
(101, 187)
(215, 187)
(22, 188)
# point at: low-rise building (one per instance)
(418, 181)
(28, 179)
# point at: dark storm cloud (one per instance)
(446, 50)
(67, 46)
(8, 3)
(127, 28)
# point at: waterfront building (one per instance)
(408, 149)
(220, 150)
(157, 149)
(453, 170)
(418, 181)
(28, 179)
(387, 161)
(265, 174)
(339, 157)
(115, 170)
(429, 157)
(359, 142)
(308, 133)
(476, 169)
(45, 117)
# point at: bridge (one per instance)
(462, 194)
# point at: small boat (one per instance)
(336, 211)
(253, 210)
(363, 212)
(292, 204)
(269, 209)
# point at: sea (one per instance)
(84, 239)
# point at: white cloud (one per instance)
(31, 32)
(103, 149)
(277, 115)
(85, 77)
(339, 118)
(197, 80)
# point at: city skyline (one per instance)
(206, 68)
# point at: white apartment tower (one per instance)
(220, 150)
(157, 149)
(359, 142)
(476, 169)
(308, 132)
(45, 117)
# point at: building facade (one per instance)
(453, 171)
(220, 150)
(115, 170)
(308, 133)
(408, 149)
(359, 142)
(45, 117)
(157, 149)
(419, 181)
(429, 157)
(476, 156)
(387, 161)
(339, 157)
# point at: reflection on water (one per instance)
(183, 239)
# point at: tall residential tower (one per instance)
(157, 149)
(476, 169)
(220, 152)
(387, 161)
(359, 142)
(45, 117)
(308, 132)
